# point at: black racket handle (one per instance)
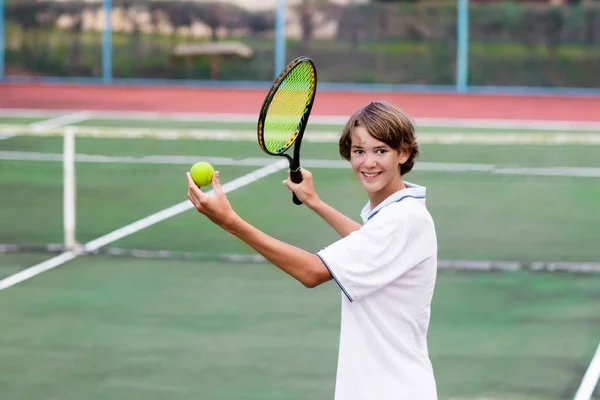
(296, 177)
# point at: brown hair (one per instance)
(387, 124)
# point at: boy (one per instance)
(385, 268)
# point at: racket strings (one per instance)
(288, 108)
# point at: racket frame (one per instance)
(296, 139)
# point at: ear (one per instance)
(404, 155)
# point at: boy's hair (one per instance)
(385, 123)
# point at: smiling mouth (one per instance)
(371, 175)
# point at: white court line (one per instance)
(590, 379)
(136, 226)
(60, 120)
(308, 163)
(37, 269)
(542, 138)
(318, 119)
(31, 113)
(461, 265)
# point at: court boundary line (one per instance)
(443, 264)
(60, 121)
(134, 227)
(590, 378)
(586, 172)
(539, 138)
(319, 119)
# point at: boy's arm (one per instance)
(338, 221)
(302, 265)
(308, 195)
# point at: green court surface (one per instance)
(478, 215)
(111, 328)
(20, 120)
(188, 326)
(249, 125)
(11, 263)
(551, 156)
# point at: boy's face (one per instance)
(375, 164)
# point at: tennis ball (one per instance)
(202, 173)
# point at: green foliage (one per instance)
(510, 43)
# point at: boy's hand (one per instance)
(215, 207)
(305, 190)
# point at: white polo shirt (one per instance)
(387, 271)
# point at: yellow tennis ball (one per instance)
(202, 173)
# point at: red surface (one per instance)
(178, 99)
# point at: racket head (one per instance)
(287, 106)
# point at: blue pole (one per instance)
(106, 43)
(279, 37)
(462, 48)
(2, 48)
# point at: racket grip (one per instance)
(296, 177)
(296, 200)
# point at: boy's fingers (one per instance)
(191, 184)
(215, 181)
(193, 189)
(289, 184)
(190, 181)
(190, 196)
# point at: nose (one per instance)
(370, 161)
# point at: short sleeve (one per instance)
(373, 256)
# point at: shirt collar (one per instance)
(411, 190)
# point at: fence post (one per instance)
(107, 42)
(280, 37)
(462, 46)
(2, 46)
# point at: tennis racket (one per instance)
(285, 111)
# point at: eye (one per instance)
(358, 151)
(381, 151)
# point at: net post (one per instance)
(107, 42)
(462, 46)
(2, 46)
(280, 40)
(69, 188)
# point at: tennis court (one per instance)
(179, 308)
